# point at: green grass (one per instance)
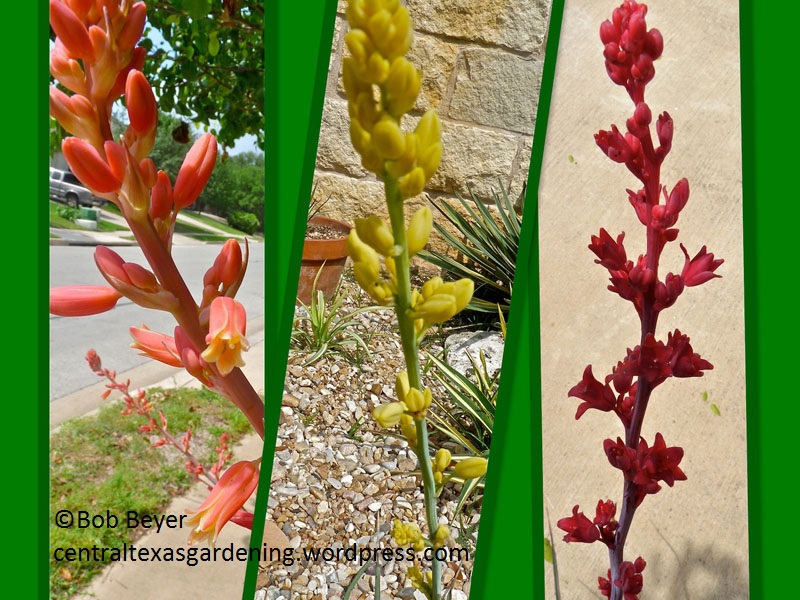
(104, 463)
(214, 223)
(60, 222)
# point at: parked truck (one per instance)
(66, 188)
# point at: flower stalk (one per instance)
(381, 87)
(630, 50)
(95, 56)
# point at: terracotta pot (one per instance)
(326, 257)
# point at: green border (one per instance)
(26, 328)
(770, 130)
(297, 72)
(512, 505)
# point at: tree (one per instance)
(206, 61)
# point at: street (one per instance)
(107, 333)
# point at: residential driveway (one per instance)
(694, 535)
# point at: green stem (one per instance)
(410, 344)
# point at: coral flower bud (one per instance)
(133, 28)
(117, 158)
(70, 30)
(471, 468)
(229, 263)
(82, 300)
(155, 345)
(388, 415)
(86, 163)
(195, 171)
(141, 103)
(161, 197)
(233, 489)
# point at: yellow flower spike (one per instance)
(419, 229)
(401, 87)
(471, 468)
(388, 415)
(389, 141)
(413, 183)
(409, 430)
(441, 536)
(374, 232)
(401, 386)
(441, 460)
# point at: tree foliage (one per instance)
(210, 64)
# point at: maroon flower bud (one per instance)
(579, 528)
(610, 253)
(614, 145)
(593, 393)
(668, 291)
(684, 361)
(654, 44)
(664, 129)
(678, 197)
(700, 268)
(609, 33)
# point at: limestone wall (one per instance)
(481, 63)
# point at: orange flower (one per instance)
(225, 339)
(195, 171)
(233, 489)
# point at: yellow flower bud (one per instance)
(416, 401)
(407, 534)
(401, 87)
(360, 47)
(409, 429)
(471, 468)
(401, 386)
(428, 129)
(389, 141)
(365, 276)
(462, 292)
(429, 159)
(430, 287)
(377, 68)
(419, 580)
(419, 229)
(374, 232)
(388, 415)
(441, 460)
(441, 535)
(412, 183)
(436, 309)
(362, 253)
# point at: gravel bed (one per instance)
(338, 480)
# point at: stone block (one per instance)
(496, 89)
